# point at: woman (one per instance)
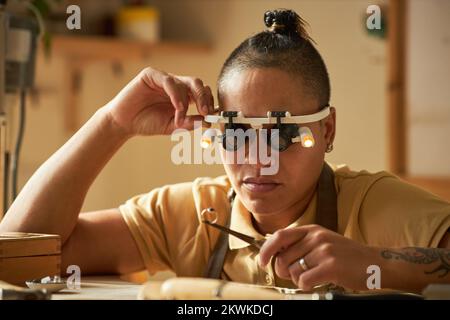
(378, 220)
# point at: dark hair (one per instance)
(285, 45)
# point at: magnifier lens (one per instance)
(229, 142)
(284, 143)
(279, 142)
(234, 137)
(275, 139)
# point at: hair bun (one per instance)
(285, 22)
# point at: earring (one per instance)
(329, 148)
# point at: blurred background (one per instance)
(390, 86)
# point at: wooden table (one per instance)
(116, 288)
(101, 288)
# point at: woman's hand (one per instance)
(155, 102)
(330, 257)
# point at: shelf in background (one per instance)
(116, 49)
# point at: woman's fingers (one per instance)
(284, 260)
(180, 89)
(311, 273)
(157, 80)
(189, 122)
(211, 100)
(318, 275)
(177, 92)
(280, 241)
(201, 94)
(310, 260)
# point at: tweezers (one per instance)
(209, 217)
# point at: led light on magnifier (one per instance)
(306, 137)
(208, 138)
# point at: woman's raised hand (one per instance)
(156, 102)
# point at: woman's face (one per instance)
(254, 92)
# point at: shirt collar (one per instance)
(241, 221)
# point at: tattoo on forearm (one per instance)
(423, 256)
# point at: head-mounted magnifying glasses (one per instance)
(288, 128)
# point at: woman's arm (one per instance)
(154, 102)
(332, 258)
(52, 198)
(414, 268)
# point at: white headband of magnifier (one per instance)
(257, 123)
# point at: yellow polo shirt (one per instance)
(374, 209)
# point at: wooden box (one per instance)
(27, 256)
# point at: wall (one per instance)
(428, 87)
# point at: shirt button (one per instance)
(269, 280)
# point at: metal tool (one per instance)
(209, 217)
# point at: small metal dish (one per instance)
(50, 284)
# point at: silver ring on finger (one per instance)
(303, 264)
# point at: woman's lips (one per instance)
(259, 185)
